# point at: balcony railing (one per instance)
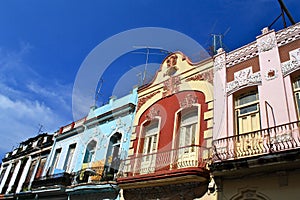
(185, 157)
(62, 179)
(276, 139)
(94, 175)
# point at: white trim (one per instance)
(14, 176)
(24, 175)
(5, 177)
(176, 124)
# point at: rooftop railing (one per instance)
(271, 140)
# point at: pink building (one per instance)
(256, 117)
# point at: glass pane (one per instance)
(193, 134)
(149, 144)
(187, 136)
(247, 99)
(181, 136)
(298, 102)
(248, 109)
(154, 143)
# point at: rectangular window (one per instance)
(55, 160)
(247, 112)
(69, 157)
(41, 167)
(296, 87)
(188, 128)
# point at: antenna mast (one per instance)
(98, 93)
(286, 11)
(147, 59)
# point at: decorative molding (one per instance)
(288, 35)
(267, 43)
(205, 76)
(171, 64)
(171, 86)
(187, 190)
(152, 114)
(219, 62)
(143, 100)
(243, 78)
(292, 64)
(244, 53)
(271, 74)
(249, 193)
(188, 101)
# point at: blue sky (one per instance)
(44, 43)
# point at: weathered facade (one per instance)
(256, 118)
(23, 165)
(172, 133)
(86, 154)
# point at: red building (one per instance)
(172, 133)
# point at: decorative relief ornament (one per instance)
(171, 86)
(205, 76)
(271, 74)
(243, 78)
(143, 100)
(293, 64)
(188, 101)
(267, 43)
(171, 64)
(152, 114)
(219, 62)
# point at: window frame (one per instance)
(238, 107)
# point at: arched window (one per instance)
(150, 141)
(90, 152)
(112, 156)
(188, 128)
(247, 112)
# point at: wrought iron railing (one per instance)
(63, 179)
(275, 139)
(185, 157)
(94, 175)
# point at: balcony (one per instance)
(163, 173)
(62, 179)
(175, 162)
(278, 139)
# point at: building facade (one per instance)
(23, 165)
(172, 133)
(256, 118)
(86, 154)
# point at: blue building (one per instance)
(86, 154)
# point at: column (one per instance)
(14, 176)
(24, 174)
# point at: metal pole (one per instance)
(286, 11)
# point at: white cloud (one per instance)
(27, 99)
(20, 120)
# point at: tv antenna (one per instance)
(284, 10)
(40, 129)
(98, 92)
(147, 53)
(217, 41)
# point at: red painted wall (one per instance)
(167, 107)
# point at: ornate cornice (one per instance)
(288, 35)
(241, 54)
